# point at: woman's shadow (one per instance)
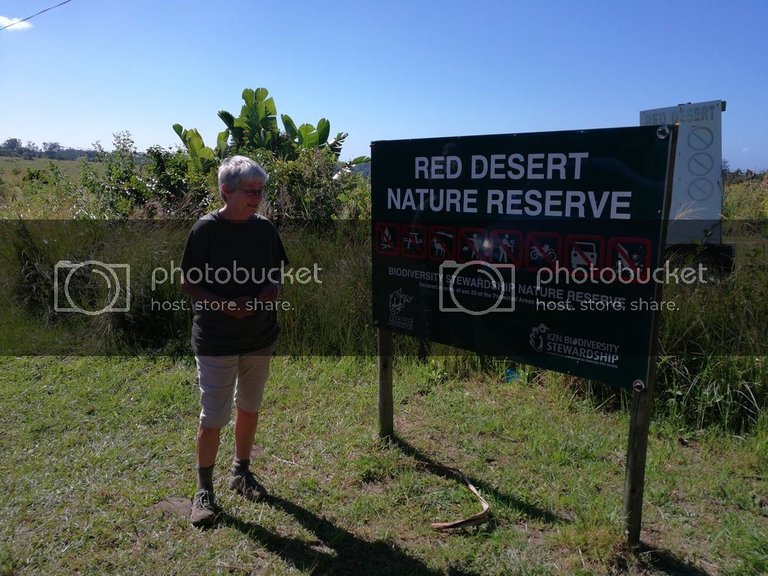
(338, 551)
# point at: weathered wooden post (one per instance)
(386, 410)
(637, 449)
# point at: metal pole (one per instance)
(386, 410)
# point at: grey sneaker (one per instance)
(204, 509)
(245, 483)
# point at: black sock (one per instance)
(205, 478)
(240, 465)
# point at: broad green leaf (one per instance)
(222, 143)
(227, 118)
(323, 131)
(304, 132)
(248, 96)
(290, 126)
(270, 107)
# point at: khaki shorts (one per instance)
(223, 377)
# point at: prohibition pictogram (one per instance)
(701, 189)
(542, 249)
(473, 244)
(629, 255)
(584, 251)
(700, 138)
(387, 239)
(414, 241)
(700, 163)
(442, 243)
(506, 246)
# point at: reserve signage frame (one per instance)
(532, 246)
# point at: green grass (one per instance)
(14, 169)
(94, 447)
(747, 199)
(38, 188)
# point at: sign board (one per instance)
(697, 189)
(544, 247)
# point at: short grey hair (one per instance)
(238, 170)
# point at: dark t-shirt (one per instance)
(233, 259)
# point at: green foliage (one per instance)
(746, 195)
(125, 183)
(34, 263)
(117, 186)
(308, 137)
(202, 158)
(44, 177)
(712, 369)
(300, 159)
(257, 122)
(256, 129)
(13, 148)
(302, 189)
(354, 197)
(176, 187)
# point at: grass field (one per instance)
(98, 470)
(13, 169)
(25, 187)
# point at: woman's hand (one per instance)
(241, 307)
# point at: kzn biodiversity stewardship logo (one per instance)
(545, 341)
(93, 287)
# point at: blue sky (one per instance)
(380, 70)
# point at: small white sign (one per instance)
(697, 191)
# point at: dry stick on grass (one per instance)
(475, 520)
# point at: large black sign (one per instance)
(544, 247)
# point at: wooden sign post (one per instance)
(637, 449)
(386, 409)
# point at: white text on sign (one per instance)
(535, 166)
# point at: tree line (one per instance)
(14, 147)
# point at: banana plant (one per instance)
(308, 136)
(336, 144)
(202, 157)
(258, 119)
(256, 128)
(234, 134)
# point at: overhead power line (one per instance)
(33, 15)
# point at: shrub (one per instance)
(305, 190)
(116, 184)
(174, 187)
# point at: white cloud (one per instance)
(8, 21)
